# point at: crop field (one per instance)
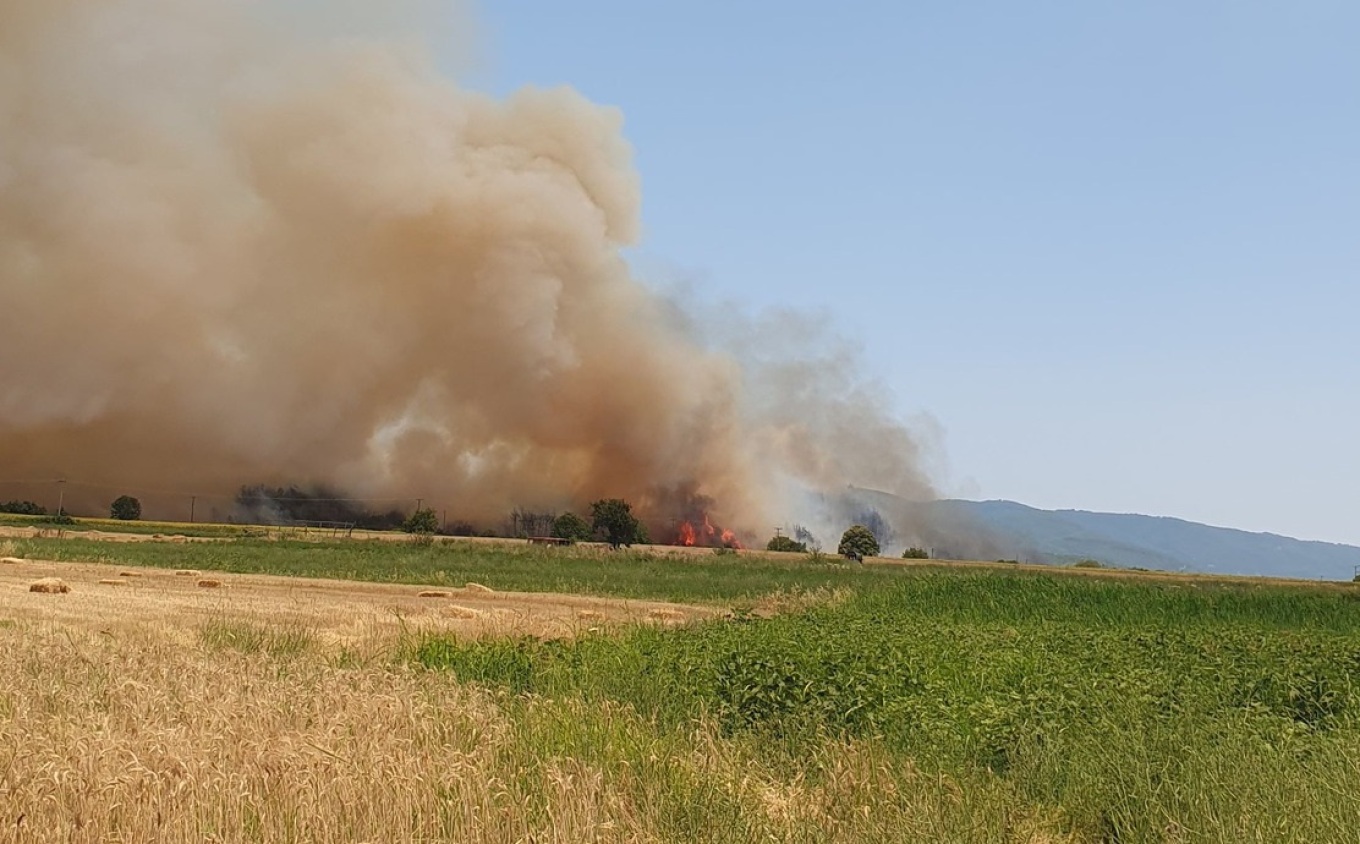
(698, 698)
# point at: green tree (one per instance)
(125, 508)
(914, 553)
(421, 521)
(785, 543)
(857, 543)
(613, 518)
(571, 527)
(23, 508)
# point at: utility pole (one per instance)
(419, 502)
(193, 501)
(61, 496)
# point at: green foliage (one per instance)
(62, 518)
(613, 519)
(1089, 564)
(125, 508)
(785, 543)
(857, 543)
(421, 522)
(1123, 705)
(571, 527)
(23, 508)
(914, 553)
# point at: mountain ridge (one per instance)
(1019, 531)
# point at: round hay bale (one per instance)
(10, 561)
(207, 583)
(188, 573)
(455, 611)
(114, 582)
(479, 589)
(129, 574)
(433, 593)
(49, 586)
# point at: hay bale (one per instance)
(455, 611)
(129, 574)
(188, 573)
(114, 582)
(209, 584)
(49, 586)
(433, 593)
(479, 589)
(11, 561)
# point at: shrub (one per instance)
(23, 508)
(613, 518)
(785, 543)
(125, 508)
(421, 521)
(857, 543)
(914, 553)
(1090, 564)
(571, 527)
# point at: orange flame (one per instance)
(686, 533)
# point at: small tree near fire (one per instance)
(571, 527)
(421, 521)
(614, 519)
(125, 508)
(785, 543)
(857, 543)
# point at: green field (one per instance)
(586, 570)
(930, 703)
(1121, 711)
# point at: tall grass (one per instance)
(1134, 711)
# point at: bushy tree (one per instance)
(914, 553)
(857, 543)
(613, 519)
(571, 527)
(125, 508)
(421, 521)
(785, 543)
(23, 508)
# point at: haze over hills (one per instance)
(1155, 542)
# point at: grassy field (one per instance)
(879, 704)
(511, 567)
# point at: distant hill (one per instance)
(1155, 542)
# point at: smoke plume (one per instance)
(239, 247)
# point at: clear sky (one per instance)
(1113, 249)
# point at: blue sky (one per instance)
(1113, 249)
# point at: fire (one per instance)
(706, 534)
